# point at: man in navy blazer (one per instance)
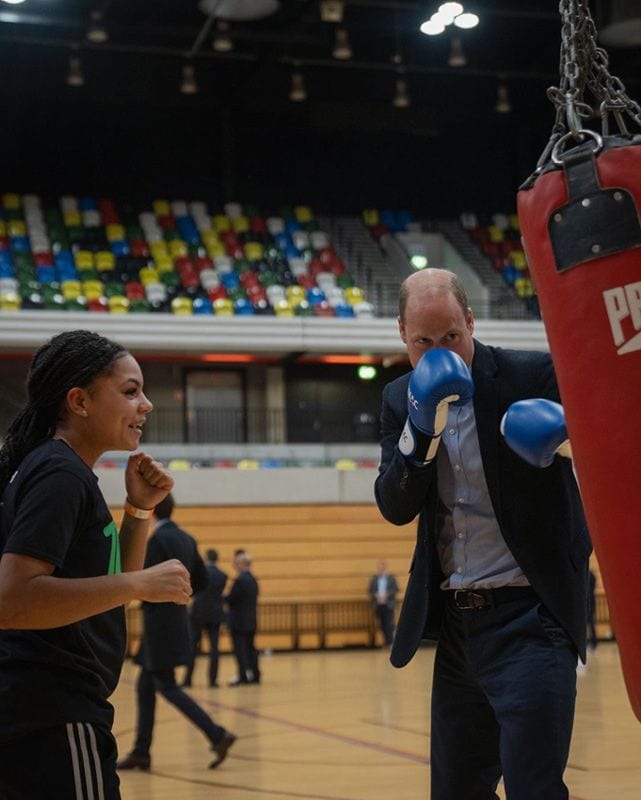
(242, 601)
(499, 572)
(206, 614)
(166, 644)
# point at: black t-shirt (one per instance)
(54, 511)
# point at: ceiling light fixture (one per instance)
(222, 41)
(448, 14)
(466, 21)
(332, 11)
(298, 92)
(75, 76)
(401, 94)
(457, 55)
(188, 84)
(96, 32)
(342, 49)
(503, 105)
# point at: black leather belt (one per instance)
(477, 599)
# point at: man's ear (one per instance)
(470, 320)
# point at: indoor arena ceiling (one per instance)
(178, 96)
(243, 52)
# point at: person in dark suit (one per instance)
(206, 614)
(166, 644)
(499, 573)
(382, 591)
(242, 602)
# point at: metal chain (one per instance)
(586, 89)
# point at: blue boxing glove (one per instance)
(440, 378)
(535, 429)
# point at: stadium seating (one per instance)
(177, 257)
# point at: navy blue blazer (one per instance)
(538, 511)
(242, 601)
(166, 638)
(207, 608)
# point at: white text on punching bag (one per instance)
(620, 303)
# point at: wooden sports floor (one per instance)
(345, 725)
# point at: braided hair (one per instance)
(72, 358)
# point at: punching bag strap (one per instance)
(595, 222)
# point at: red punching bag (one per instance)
(581, 228)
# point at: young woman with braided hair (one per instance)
(66, 572)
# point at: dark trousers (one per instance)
(164, 682)
(502, 703)
(385, 616)
(76, 761)
(213, 632)
(246, 655)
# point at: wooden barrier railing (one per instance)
(295, 625)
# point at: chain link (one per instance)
(586, 89)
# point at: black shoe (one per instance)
(213, 685)
(134, 761)
(221, 747)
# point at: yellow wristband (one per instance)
(138, 513)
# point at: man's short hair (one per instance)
(212, 555)
(165, 508)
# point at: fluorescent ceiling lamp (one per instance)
(13, 2)
(432, 28)
(450, 10)
(466, 20)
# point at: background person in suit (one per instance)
(499, 573)
(242, 601)
(166, 644)
(382, 590)
(206, 614)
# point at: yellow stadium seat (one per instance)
(182, 306)
(72, 219)
(3, 228)
(71, 289)
(11, 201)
(148, 275)
(496, 234)
(517, 257)
(92, 290)
(223, 307)
(215, 249)
(283, 309)
(118, 304)
(17, 228)
(346, 464)
(159, 248)
(161, 208)
(221, 223)
(353, 295)
(303, 213)
(115, 232)
(178, 248)
(240, 224)
(514, 222)
(10, 301)
(179, 465)
(84, 259)
(253, 251)
(164, 263)
(248, 463)
(371, 217)
(209, 236)
(295, 295)
(105, 260)
(523, 287)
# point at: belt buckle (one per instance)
(478, 602)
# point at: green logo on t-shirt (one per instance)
(114, 557)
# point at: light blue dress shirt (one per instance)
(471, 548)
